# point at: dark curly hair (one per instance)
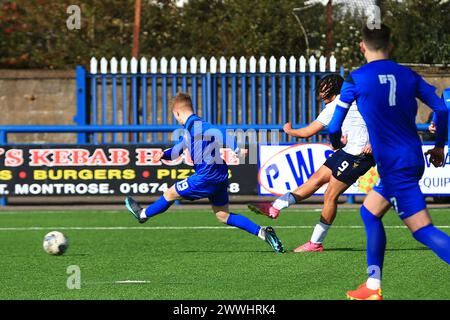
(330, 86)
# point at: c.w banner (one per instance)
(104, 170)
(284, 168)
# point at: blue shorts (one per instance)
(347, 168)
(401, 189)
(196, 187)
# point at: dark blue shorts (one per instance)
(196, 187)
(401, 189)
(347, 168)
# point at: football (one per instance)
(55, 243)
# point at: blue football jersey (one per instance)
(385, 93)
(203, 142)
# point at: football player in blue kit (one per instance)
(210, 180)
(386, 92)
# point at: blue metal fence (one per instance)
(248, 97)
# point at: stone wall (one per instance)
(37, 97)
(438, 77)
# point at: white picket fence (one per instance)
(222, 65)
(226, 91)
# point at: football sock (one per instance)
(284, 201)
(373, 283)
(376, 245)
(157, 207)
(244, 223)
(320, 232)
(262, 234)
(436, 240)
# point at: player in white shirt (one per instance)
(340, 170)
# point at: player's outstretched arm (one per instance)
(230, 142)
(306, 132)
(172, 153)
(427, 93)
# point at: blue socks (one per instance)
(376, 242)
(157, 207)
(430, 236)
(234, 220)
(244, 223)
(436, 240)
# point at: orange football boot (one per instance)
(364, 293)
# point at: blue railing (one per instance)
(228, 97)
(89, 129)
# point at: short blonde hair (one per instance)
(183, 102)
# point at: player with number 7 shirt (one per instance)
(386, 93)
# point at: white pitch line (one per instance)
(180, 228)
(59, 212)
(131, 281)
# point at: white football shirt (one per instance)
(354, 127)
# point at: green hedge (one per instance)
(33, 33)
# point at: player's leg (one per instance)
(163, 203)
(410, 205)
(334, 190)
(236, 220)
(423, 230)
(190, 189)
(403, 192)
(346, 169)
(317, 180)
(219, 204)
(306, 190)
(374, 207)
(331, 197)
(157, 207)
